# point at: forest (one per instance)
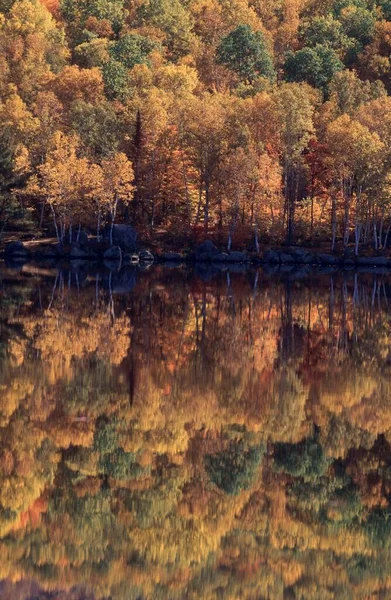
(256, 121)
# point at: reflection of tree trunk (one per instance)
(287, 343)
(309, 324)
(331, 305)
(386, 237)
(53, 291)
(344, 316)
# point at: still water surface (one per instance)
(178, 435)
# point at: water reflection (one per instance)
(171, 434)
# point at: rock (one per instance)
(310, 259)
(172, 257)
(113, 253)
(374, 261)
(287, 259)
(299, 255)
(124, 236)
(238, 257)
(221, 257)
(206, 251)
(327, 259)
(16, 250)
(145, 256)
(271, 257)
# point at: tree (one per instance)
(174, 20)
(66, 182)
(356, 159)
(246, 53)
(325, 31)
(117, 184)
(296, 108)
(317, 66)
(131, 50)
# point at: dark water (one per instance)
(169, 434)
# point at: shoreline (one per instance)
(206, 253)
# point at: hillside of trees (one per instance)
(266, 119)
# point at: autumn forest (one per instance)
(247, 119)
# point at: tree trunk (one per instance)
(333, 222)
(55, 223)
(206, 213)
(113, 215)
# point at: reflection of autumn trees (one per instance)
(225, 437)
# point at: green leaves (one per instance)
(131, 50)
(246, 53)
(317, 66)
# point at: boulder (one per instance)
(113, 253)
(206, 251)
(287, 259)
(310, 259)
(16, 250)
(374, 261)
(327, 259)
(299, 255)
(124, 236)
(271, 257)
(221, 257)
(146, 256)
(238, 257)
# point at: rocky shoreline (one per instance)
(121, 252)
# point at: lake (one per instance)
(190, 434)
